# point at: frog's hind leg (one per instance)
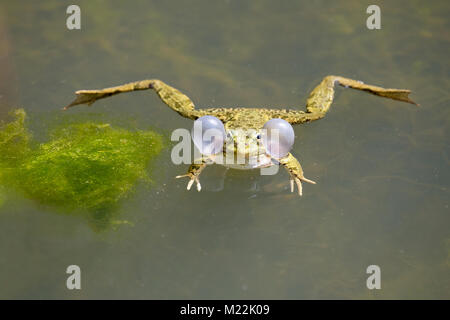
(321, 97)
(169, 95)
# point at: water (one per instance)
(381, 166)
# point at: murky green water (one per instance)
(382, 166)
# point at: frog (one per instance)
(246, 121)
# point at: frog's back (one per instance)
(240, 118)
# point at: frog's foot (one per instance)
(191, 181)
(298, 182)
(295, 170)
(194, 173)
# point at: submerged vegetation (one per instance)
(85, 168)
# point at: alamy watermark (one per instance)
(374, 280)
(74, 280)
(374, 20)
(73, 22)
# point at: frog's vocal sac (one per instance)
(247, 121)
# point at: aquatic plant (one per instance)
(85, 168)
(14, 140)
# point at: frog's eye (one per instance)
(208, 134)
(278, 137)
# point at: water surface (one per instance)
(381, 165)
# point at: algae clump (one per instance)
(88, 166)
(14, 140)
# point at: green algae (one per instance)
(14, 140)
(85, 168)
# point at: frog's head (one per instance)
(244, 142)
(249, 146)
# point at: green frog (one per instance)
(246, 121)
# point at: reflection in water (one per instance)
(86, 169)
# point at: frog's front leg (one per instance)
(295, 170)
(194, 172)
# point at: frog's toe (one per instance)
(199, 186)
(298, 182)
(307, 180)
(191, 181)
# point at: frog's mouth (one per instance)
(249, 162)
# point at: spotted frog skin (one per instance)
(246, 123)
